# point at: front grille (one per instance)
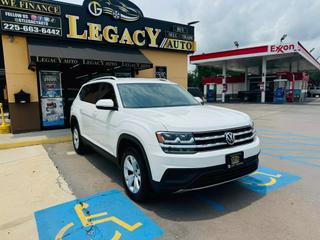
(216, 140)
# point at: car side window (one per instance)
(106, 91)
(89, 93)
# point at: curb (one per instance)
(26, 143)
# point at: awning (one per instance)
(60, 53)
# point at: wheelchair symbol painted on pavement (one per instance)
(88, 221)
(109, 215)
(265, 180)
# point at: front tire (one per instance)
(134, 175)
(78, 144)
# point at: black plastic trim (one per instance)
(175, 180)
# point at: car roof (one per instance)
(131, 80)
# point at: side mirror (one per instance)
(106, 104)
(199, 100)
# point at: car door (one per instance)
(88, 99)
(106, 119)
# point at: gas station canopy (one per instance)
(292, 57)
(261, 61)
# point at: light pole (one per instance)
(193, 23)
(283, 37)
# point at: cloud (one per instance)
(251, 22)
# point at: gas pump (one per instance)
(280, 88)
(211, 93)
(290, 89)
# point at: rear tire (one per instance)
(78, 144)
(134, 175)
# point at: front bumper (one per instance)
(176, 180)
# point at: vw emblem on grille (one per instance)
(229, 138)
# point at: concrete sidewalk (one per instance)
(8, 141)
(29, 182)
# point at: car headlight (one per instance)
(177, 143)
(252, 127)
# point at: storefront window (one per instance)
(51, 99)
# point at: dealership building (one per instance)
(49, 49)
(268, 73)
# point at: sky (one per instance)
(250, 22)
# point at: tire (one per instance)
(134, 175)
(78, 144)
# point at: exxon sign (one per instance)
(278, 49)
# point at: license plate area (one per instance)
(235, 159)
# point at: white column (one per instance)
(264, 79)
(246, 80)
(205, 91)
(224, 80)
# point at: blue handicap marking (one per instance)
(108, 216)
(266, 180)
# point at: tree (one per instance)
(315, 78)
(195, 78)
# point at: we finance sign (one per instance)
(109, 22)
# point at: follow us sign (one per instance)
(107, 216)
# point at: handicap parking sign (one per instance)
(110, 215)
(265, 180)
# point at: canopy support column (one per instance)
(224, 81)
(264, 79)
(246, 80)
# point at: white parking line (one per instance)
(71, 153)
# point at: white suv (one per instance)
(161, 137)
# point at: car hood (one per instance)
(193, 118)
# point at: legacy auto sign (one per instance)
(118, 22)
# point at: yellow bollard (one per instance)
(4, 128)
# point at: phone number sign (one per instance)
(16, 21)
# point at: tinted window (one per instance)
(89, 93)
(106, 91)
(151, 95)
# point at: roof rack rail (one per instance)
(105, 77)
(163, 79)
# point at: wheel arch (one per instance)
(126, 140)
(73, 121)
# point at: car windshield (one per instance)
(153, 95)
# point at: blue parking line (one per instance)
(274, 142)
(266, 180)
(284, 134)
(291, 149)
(291, 159)
(216, 206)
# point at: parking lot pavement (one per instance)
(28, 182)
(279, 201)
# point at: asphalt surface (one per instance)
(252, 208)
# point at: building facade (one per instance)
(50, 49)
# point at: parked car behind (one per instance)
(314, 91)
(196, 92)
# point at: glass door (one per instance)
(51, 99)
